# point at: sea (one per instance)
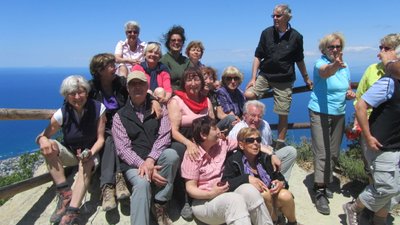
(38, 88)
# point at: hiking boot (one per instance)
(108, 195)
(63, 199)
(351, 216)
(121, 188)
(70, 218)
(187, 212)
(322, 202)
(161, 214)
(365, 217)
(328, 193)
(279, 145)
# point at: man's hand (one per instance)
(146, 169)
(158, 180)
(308, 82)
(276, 163)
(373, 143)
(251, 83)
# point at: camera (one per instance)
(85, 153)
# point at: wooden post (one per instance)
(26, 114)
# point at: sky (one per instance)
(51, 33)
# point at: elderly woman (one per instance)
(82, 123)
(212, 203)
(250, 165)
(110, 89)
(173, 59)
(195, 51)
(327, 110)
(230, 97)
(129, 52)
(187, 105)
(157, 73)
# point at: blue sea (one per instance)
(38, 88)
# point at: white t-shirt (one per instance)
(58, 116)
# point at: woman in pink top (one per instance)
(129, 52)
(157, 73)
(212, 202)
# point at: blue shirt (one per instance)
(381, 91)
(329, 94)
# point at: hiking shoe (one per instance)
(279, 145)
(328, 193)
(121, 188)
(70, 218)
(322, 202)
(63, 199)
(351, 216)
(187, 212)
(108, 195)
(161, 214)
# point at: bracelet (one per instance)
(38, 138)
(305, 75)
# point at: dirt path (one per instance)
(36, 205)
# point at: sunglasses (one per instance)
(384, 48)
(232, 78)
(276, 16)
(251, 140)
(132, 31)
(331, 47)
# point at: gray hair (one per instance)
(132, 24)
(284, 8)
(256, 103)
(73, 83)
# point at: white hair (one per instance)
(132, 24)
(73, 83)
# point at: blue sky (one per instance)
(68, 33)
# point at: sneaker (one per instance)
(108, 195)
(63, 199)
(121, 188)
(322, 203)
(187, 212)
(161, 214)
(351, 216)
(70, 218)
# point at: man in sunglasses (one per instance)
(279, 48)
(253, 112)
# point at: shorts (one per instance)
(282, 93)
(68, 158)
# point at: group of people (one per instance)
(160, 125)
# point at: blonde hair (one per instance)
(325, 41)
(231, 70)
(152, 46)
(246, 132)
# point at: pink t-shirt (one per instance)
(187, 114)
(123, 49)
(208, 167)
(163, 79)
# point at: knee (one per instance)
(249, 95)
(171, 156)
(249, 192)
(285, 196)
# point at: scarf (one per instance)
(153, 72)
(262, 173)
(196, 107)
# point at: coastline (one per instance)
(11, 165)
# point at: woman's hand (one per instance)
(47, 147)
(257, 183)
(350, 94)
(276, 187)
(193, 150)
(156, 108)
(84, 155)
(339, 60)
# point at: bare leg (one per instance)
(250, 95)
(285, 202)
(268, 202)
(123, 71)
(54, 166)
(282, 127)
(81, 183)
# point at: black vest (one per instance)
(384, 121)
(83, 134)
(142, 134)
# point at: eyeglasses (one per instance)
(277, 16)
(232, 78)
(78, 92)
(331, 47)
(251, 140)
(190, 79)
(132, 32)
(384, 48)
(176, 40)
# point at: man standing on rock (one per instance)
(382, 134)
(279, 48)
